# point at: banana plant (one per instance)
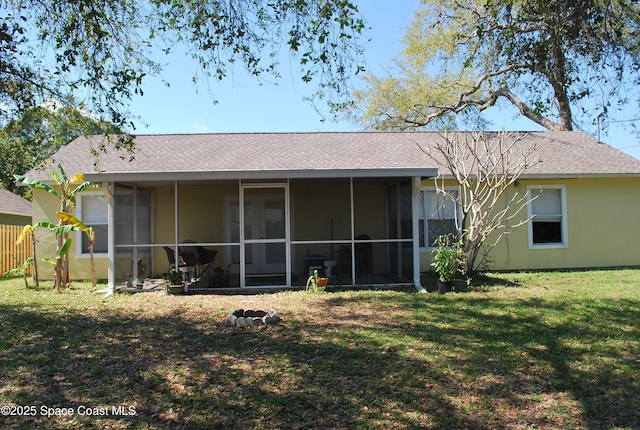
(57, 262)
(28, 232)
(21, 270)
(66, 192)
(91, 235)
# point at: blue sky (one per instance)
(246, 105)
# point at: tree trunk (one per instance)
(67, 281)
(558, 81)
(36, 278)
(58, 265)
(94, 281)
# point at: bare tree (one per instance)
(484, 165)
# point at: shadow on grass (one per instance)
(480, 282)
(553, 365)
(365, 360)
(184, 374)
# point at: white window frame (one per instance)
(80, 234)
(458, 215)
(563, 215)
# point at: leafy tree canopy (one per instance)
(101, 50)
(560, 63)
(37, 133)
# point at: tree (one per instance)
(484, 165)
(102, 51)
(19, 81)
(66, 191)
(36, 134)
(561, 63)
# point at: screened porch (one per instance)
(268, 232)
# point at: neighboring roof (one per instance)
(263, 155)
(12, 204)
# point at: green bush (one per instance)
(446, 257)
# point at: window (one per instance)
(547, 213)
(92, 211)
(436, 216)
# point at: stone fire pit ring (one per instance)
(249, 317)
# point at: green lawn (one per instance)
(518, 351)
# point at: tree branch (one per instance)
(484, 167)
(528, 112)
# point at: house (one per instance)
(276, 206)
(14, 210)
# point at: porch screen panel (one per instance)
(399, 198)
(124, 216)
(321, 210)
(406, 214)
(132, 203)
(274, 228)
(143, 216)
(133, 234)
(264, 229)
(370, 209)
(327, 258)
(373, 267)
(234, 227)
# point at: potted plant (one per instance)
(141, 271)
(176, 284)
(445, 261)
(315, 283)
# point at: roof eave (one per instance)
(572, 175)
(16, 213)
(260, 174)
(581, 175)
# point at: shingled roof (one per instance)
(14, 205)
(247, 155)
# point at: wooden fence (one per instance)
(10, 250)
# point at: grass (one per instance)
(516, 351)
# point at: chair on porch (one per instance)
(182, 263)
(193, 258)
(363, 257)
(204, 261)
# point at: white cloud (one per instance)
(199, 128)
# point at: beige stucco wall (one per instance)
(603, 228)
(45, 206)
